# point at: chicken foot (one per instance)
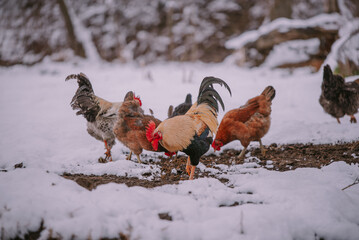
(108, 157)
(138, 158)
(137, 155)
(338, 120)
(263, 151)
(108, 152)
(353, 119)
(190, 169)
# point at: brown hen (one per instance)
(130, 128)
(247, 123)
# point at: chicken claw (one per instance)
(102, 160)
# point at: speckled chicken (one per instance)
(101, 115)
(247, 123)
(339, 98)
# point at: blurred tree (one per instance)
(74, 43)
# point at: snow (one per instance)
(296, 51)
(40, 129)
(345, 43)
(326, 21)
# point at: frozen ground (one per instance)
(39, 128)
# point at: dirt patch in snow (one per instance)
(277, 158)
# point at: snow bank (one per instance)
(326, 21)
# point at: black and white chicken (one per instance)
(101, 115)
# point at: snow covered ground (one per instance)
(39, 128)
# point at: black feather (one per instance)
(207, 94)
(182, 108)
(199, 146)
(84, 99)
(327, 73)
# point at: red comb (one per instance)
(149, 130)
(138, 99)
(170, 154)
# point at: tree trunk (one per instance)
(74, 43)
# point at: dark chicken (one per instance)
(247, 123)
(100, 114)
(182, 108)
(191, 133)
(339, 98)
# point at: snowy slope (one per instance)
(40, 129)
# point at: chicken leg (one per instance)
(138, 158)
(353, 119)
(241, 155)
(188, 166)
(190, 169)
(108, 152)
(193, 168)
(129, 156)
(137, 155)
(263, 151)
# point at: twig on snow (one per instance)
(355, 182)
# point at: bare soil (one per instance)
(278, 158)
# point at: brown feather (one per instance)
(206, 114)
(131, 127)
(177, 132)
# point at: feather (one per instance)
(269, 92)
(338, 98)
(209, 81)
(177, 132)
(149, 130)
(182, 108)
(205, 114)
(170, 111)
(327, 73)
(84, 99)
(209, 95)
